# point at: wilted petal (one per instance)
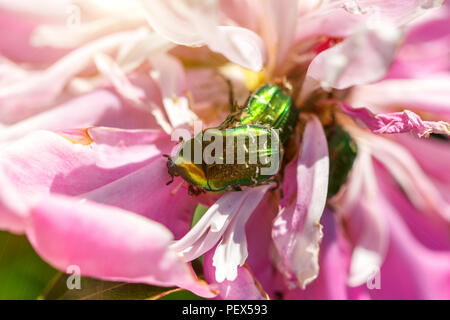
(108, 243)
(297, 230)
(361, 58)
(397, 122)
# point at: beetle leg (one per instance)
(194, 191)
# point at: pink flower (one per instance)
(130, 73)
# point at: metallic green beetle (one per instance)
(227, 159)
(269, 106)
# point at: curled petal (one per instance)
(397, 122)
(108, 243)
(297, 231)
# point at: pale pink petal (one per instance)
(38, 91)
(12, 207)
(244, 287)
(361, 58)
(278, 22)
(211, 227)
(196, 23)
(297, 231)
(429, 94)
(15, 32)
(232, 251)
(108, 243)
(344, 17)
(168, 72)
(101, 107)
(397, 122)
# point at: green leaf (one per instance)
(199, 211)
(94, 289)
(23, 275)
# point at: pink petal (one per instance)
(397, 122)
(331, 284)
(411, 270)
(425, 49)
(361, 58)
(366, 228)
(78, 161)
(420, 188)
(297, 231)
(421, 151)
(108, 243)
(145, 192)
(429, 94)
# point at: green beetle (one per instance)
(269, 106)
(342, 151)
(228, 159)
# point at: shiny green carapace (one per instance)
(227, 159)
(269, 106)
(342, 151)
